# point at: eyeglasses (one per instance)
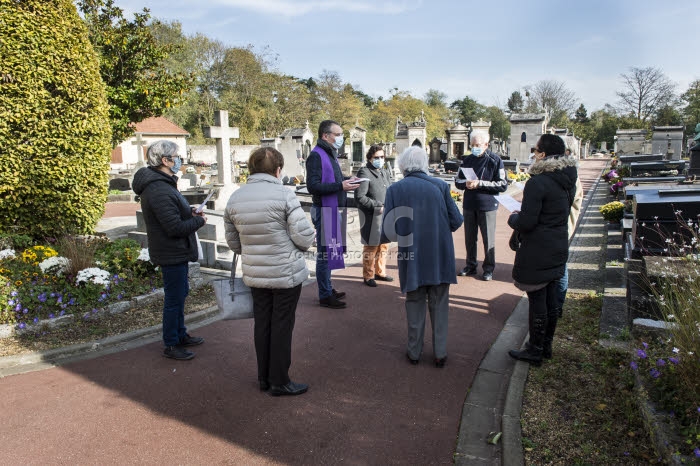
(173, 157)
(335, 134)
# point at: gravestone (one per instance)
(139, 143)
(457, 141)
(659, 215)
(627, 159)
(667, 140)
(658, 171)
(223, 134)
(120, 184)
(694, 169)
(631, 141)
(525, 130)
(512, 165)
(191, 177)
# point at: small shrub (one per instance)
(15, 241)
(80, 251)
(36, 284)
(517, 176)
(124, 257)
(613, 211)
(37, 254)
(669, 375)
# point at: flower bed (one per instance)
(76, 276)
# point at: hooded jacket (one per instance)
(170, 225)
(543, 221)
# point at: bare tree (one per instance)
(553, 97)
(646, 90)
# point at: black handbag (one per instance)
(514, 241)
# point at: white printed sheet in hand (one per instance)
(508, 202)
(469, 173)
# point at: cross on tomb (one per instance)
(139, 143)
(223, 133)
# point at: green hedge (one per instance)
(54, 127)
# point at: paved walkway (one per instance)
(365, 405)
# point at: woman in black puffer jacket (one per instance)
(542, 225)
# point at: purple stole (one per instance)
(331, 228)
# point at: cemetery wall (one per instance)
(129, 151)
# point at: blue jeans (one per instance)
(176, 288)
(562, 287)
(323, 275)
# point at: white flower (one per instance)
(94, 275)
(7, 254)
(671, 316)
(144, 256)
(56, 265)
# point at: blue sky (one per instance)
(483, 49)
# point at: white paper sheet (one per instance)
(204, 204)
(469, 173)
(519, 184)
(508, 202)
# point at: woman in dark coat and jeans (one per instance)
(370, 201)
(170, 225)
(542, 225)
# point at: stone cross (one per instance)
(139, 143)
(223, 133)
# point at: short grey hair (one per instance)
(413, 159)
(480, 136)
(158, 150)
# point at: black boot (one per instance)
(531, 354)
(534, 347)
(549, 337)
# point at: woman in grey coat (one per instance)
(265, 223)
(370, 201)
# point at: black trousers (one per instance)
(486, 222)
(274, 311)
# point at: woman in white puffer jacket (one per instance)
(266, 225)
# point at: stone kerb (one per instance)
(195, 278)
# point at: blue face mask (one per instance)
(477, 151)
(377, 163)
(178, 163)
(338, 142)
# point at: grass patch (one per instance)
(580, 407)
(98, 326)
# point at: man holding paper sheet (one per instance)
(328, 186)
(481, 177)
